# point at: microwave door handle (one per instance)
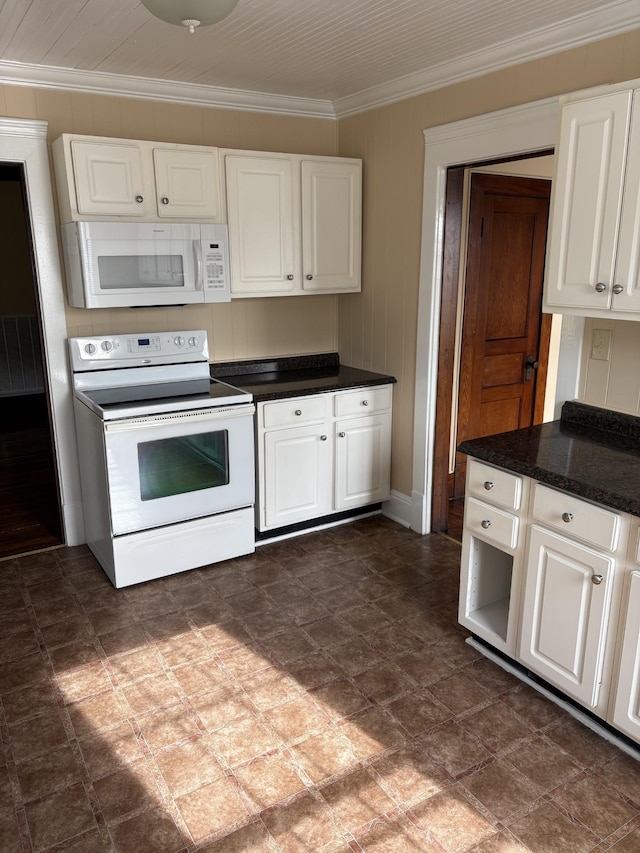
(197, 251)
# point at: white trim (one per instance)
(25, 142)
(101, 83)
(507, 133)
(610, 20)
(583, 29)
(398, 508)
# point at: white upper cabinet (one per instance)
(294, 223)
(264, 224)
(184, 182)
(331, 225)
(594, 242)
(109, 179)
(100, 178)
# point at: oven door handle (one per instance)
(209, 416)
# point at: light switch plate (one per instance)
(601, 344)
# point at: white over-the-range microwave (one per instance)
(136, 264)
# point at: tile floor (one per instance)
(317, 696)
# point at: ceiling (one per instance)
(314, 57)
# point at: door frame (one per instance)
(24, 142)
(509, 133)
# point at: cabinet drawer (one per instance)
(296, 411)
(492, 484)
(363, 401)
(491, 523)
(576, 518)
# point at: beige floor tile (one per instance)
(545, 830)
(452, 820)
(269, 780)
(214, 808)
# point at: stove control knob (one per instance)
(90, 349)
(193, 342)
(179, 341)
(107, 346)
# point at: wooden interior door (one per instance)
(503, 332)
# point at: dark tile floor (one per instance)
(317, 696)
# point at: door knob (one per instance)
(530, 365)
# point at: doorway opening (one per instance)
(494, 341)
(29, 497)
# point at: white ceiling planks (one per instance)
(314, 49)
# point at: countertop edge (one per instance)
(550, 478)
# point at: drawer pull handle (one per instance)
(488, 485)
(567, 517)
(342, 434)
(485, 523)
(139, 199)
(596, 579)
(323, 438)
(364, 403)
(298, 412)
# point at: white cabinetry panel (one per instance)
(565, 613)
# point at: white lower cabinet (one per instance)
(320, 454)
(297, 474)
(565, 613)
(546, 579)
(492, 547)
(626, 706)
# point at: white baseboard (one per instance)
(398, 508)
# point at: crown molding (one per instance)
(31, 128)
(101, 83)
(581, 30)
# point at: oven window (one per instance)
(124, 272)
(175, 466)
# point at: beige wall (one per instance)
(610, 359)
(377, 328)
(241, 329)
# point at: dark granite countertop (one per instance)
(590, 452)
(295, 376)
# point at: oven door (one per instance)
(162, 469)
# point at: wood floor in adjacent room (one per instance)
(315, 697)
(29, 514)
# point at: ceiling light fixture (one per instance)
(190, 13)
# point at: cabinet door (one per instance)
(264, 233)
(363, 454)
(187, 184)
(109, 179)
(331, 226)
(564, 619)
(297, 474)
(587, 201)
(626, 711)
(627, 272)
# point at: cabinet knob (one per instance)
(342, 434)
(139, 199)
(488, 484)
(290, 277)
(164, 200)
(617, 288)
(601, 287)
(323, 438)
(364, 402)
(597, 579)
(485, 523)
(298, 412)
(567, 517)
(309, 277)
